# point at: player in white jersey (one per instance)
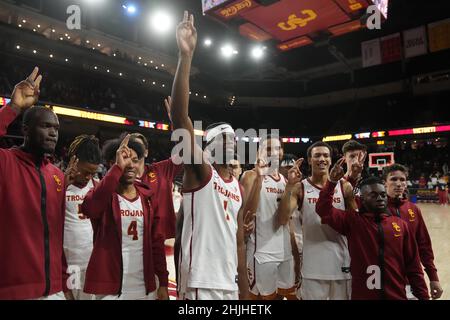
(211, 262)
(287, 162)
(128, 250)
(326, 261)
(270, 262)
(85, 157)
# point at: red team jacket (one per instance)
(32, 211)
(159, 176)
(386, 243)
(412, 215)
(104, 271)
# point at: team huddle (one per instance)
(271, 234)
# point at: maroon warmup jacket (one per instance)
(376, 240)
(32, 211)
(104, 273)
(159, 176)
(412, 215)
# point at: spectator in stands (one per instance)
(442, 191)
(434, 179)
(445, 168)
(422, 181)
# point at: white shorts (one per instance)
(312, 289)
(56, 296)
(271, 278)
(77, 286)
(128, 296)
(209, 294)
(409, 294)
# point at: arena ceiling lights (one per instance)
(161, 21)
(130, 9)
(257, 52)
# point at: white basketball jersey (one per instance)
(132, 217)
(78, 233)
(208, 256)
(268, 244)
(325, 252)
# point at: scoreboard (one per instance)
(293, 23)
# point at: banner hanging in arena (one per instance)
(415, 42)
(289, 19)
(439, 35)
(371, 53)
(391, 48)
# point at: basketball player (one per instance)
(212, 262)
(382, 248)
(352, 151)
(270, 263)
(32, 261)
(326, 262)
(159, 176)
(288, 161)
(395, 177)
(86, 156)
(236, 168)
(128, 251)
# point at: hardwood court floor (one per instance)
(437, 219)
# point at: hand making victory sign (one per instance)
(357, 166)
(26, 93)
(294, 174)
(71, 171)
(337, 172)
(187, 35)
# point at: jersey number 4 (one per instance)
(132, 230)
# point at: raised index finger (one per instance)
(72, 160)
(37, 83)
(299, 163)
(340, 162)
(167, 103)
(33, 75)
(362, 157)
(125, 141)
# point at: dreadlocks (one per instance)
(86, 148)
